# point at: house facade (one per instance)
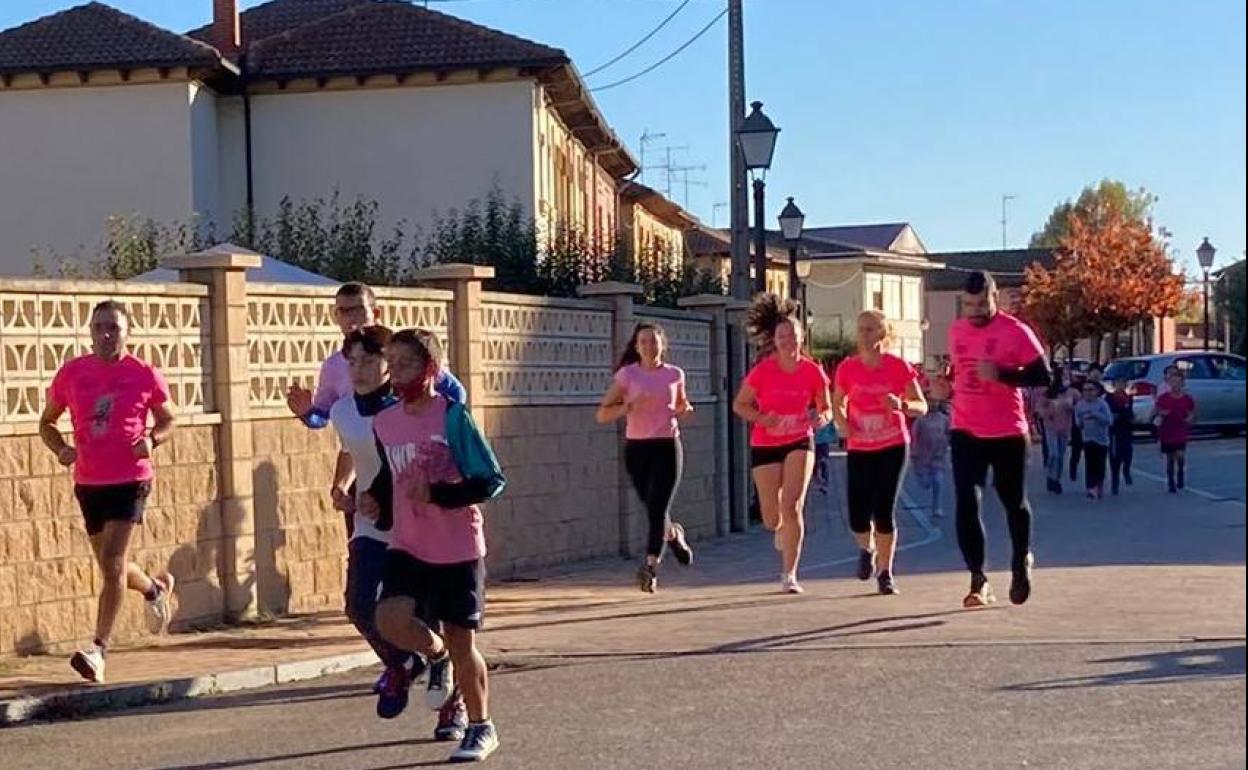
(710, 250)
(301, 99)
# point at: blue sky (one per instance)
(913, 110)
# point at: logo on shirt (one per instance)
(101, 413)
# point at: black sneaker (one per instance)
(647, 579)
(1020, 585)
(392, 699)
(452, 719)
(866, 564)
(480, 741)
(981, 592)
(1057, 487)
(888, 586)
(1126, 476)
(441, 676)
(680, 546)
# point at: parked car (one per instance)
(1215, 380)
(1074, 365)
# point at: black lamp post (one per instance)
(791, 221)
(1205, 253)
(757, 138)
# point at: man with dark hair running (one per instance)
(995, 356)
(110, 394)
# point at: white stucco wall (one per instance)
(415, 150)
(834, 292)
(231, 163)
(205, 186)
(72, 157)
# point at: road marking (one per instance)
(1198, 492)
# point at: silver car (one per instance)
(1214, 380)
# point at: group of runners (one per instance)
(414, 468)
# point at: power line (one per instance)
(639, 43)
(667, 58)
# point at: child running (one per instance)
(1173, 413)
(785, 397)
(874, 393)
(437, 468)
(1094, 419)
(826, 438)
(1058, 421)
(1121, 434)
(352, 418)
(110, 394)
(929, 448)
(650, 395)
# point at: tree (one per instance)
(1110, 273)
(1107, 198)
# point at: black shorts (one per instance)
(112, 502)
(450, 593)
(775, 455)
(1169, 449)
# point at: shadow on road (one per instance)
(259, 761)
(1153, 668)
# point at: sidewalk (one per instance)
(1187, 589)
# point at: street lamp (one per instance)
(757, 139)
(791, 221)
(1205, 253)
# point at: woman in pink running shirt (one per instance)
(110, 395)
(875, 393)
(650, 395)
(785, 397)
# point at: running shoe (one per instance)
(647, 579)
(1020, 585)
(680, 546)
(452, 719)
(1126, 476)
(441, 676)
(159, 609)
(981, 592)
(789, 584)
(887, 585)
(480, 741)
(866, 564)
(938, 514)
(392, 699)
(89, 664)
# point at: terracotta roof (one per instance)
(702, 241)
(657, 204)
(93, 37)
(1005, 266)
(280, 16)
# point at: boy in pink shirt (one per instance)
(437, 469)
(995, 356)
(110, 394)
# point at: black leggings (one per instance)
(655, 466)
(1094, 457)
(972, 457)
(873, 479)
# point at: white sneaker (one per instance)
(480, 741)
(89, 664)
(789, 584)
(441, 682)
(160, 609)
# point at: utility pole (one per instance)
(646, 139)
(715, 209)
(1004, 220)
(739, 216)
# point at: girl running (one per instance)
(785, 397)
(874, 393)
(437, 469)
(930, 447)
(1058, 422)
(1093, 417)
(1173, 414)
(650, 395)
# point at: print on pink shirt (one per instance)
(990, 409)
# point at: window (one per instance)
(874, 299)
(912, 349)
(1127, 369)
(1227, 368)
(911, 298)
(892, 297)
(1195, 368)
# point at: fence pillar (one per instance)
(739, 434)
(224, 270)
(718, 306)
(623, 319)
(466, 323)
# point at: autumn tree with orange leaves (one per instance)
(1110, 274)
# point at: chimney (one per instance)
(226, 31)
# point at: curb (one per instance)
(84, 701)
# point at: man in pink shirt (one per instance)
(110, 394)
(995, 356)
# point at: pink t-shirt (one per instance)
(990, 409)
(652, 394)
(333, 383)
(108, 405)
(873, 425)
(417, 449)
(790, 395)
(1174, 428)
